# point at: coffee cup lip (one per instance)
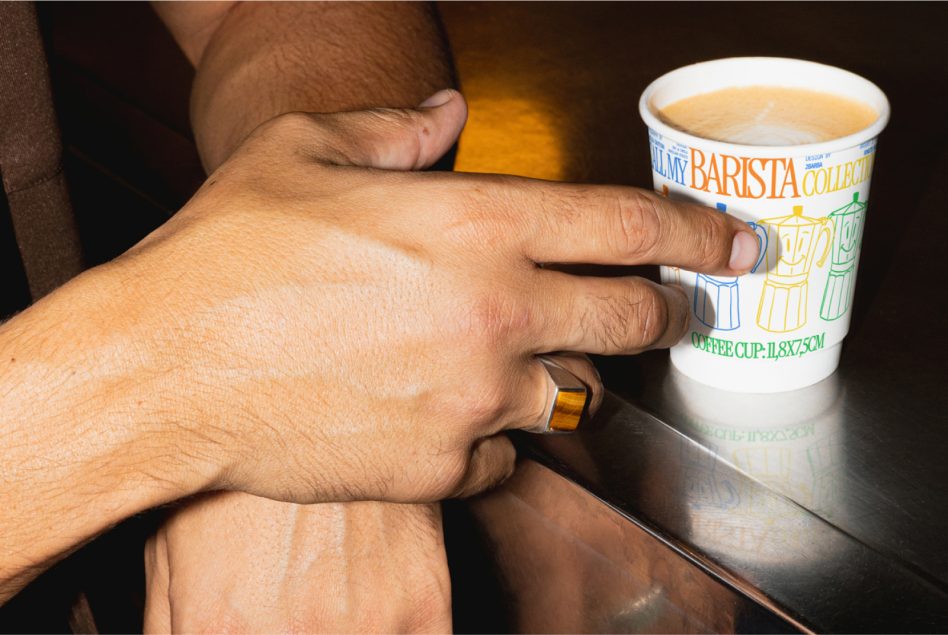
(876, 99)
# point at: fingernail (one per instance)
(743, 252)
(440, 98)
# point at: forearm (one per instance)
(258, 60)
(91, 425)
(89, 434)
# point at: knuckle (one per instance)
(449, 478)
(476, 406)
(557, 205)
(632, 320)
(639, 224)
(496, 318)
(395, 124)
(289, 125)
(485, 212)
(712, 246)
(609, 321)
(474, 228)
(488, 401)
(392, 116)
(652, 316)
(489, 463)
(431, 607)
(389, 118)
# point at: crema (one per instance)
(768, 116)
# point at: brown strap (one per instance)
(31, 153)
(30, 164)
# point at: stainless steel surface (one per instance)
(847, 451)
(572, 564)
(771, 548)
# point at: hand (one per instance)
(344, 329)
(318, 324)
(233, 563)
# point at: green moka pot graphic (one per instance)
(848, 221)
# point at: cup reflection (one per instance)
(790, 442)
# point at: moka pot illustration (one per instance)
(717, 298)
(795, 241)
(848, 222)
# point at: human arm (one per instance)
(89, 430)
(257, 60)
(310, 329)
(328, 57)
(240, 564)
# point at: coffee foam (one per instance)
(768, 116)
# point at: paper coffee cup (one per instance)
(781, 327)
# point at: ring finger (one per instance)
(558, 389)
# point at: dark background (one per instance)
(553, 91)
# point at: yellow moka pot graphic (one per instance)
(841, 284)
(795, 241)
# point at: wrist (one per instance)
(87, 440)
(89, 397)
(134, 387)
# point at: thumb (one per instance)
(397, 139)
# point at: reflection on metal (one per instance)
(873, 469)
(572, 564)
(736, 518)
(788, 442)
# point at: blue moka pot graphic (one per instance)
(848, 221)
(717, 298)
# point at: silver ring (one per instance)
(567, 403)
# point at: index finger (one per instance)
(616, 225)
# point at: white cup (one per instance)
(780, 327)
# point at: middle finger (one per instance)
(606, 316)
